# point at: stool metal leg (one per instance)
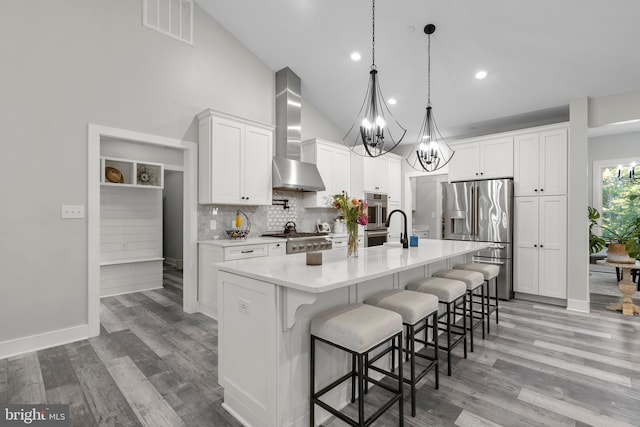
(497, 297)
(488, 305)
(353, 378)
(464, 327)
(400, 385)
(361, 385)
(470, 295)
(412, 354)
(435, 343)
(482, 309)
(312, 381)
(449, 338)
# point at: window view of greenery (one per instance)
(619, 209)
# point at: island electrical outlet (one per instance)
(243, 306)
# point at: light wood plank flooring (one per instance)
(154, 365)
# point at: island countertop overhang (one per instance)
(338, 271)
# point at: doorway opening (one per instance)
(162, 149)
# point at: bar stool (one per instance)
(415, 308)
(490, 272)
(356, 329)
(473, 281)
(450, 293)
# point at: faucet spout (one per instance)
(404, 238)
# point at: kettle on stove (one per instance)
(290, 227)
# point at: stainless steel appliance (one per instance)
(375, 232)
(483, 211)
(298, 242)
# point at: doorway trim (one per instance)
(190, 215)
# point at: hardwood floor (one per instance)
(154, 365)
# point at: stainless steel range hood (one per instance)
(289, 173)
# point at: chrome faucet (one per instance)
(404, 239)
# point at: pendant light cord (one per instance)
(428, 70)
(373, 34)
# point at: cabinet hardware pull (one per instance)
(541, 246)
(542, 189)
(248, 251)
(481, 173)
(536, 190)
(535, 246)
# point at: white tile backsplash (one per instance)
(263, 218)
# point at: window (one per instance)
(612, 196)
(171, 17)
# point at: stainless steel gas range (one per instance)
(299, 242)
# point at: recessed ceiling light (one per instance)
(355, 56)
(481, 74)
(392, 101)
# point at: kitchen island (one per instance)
(266, 305)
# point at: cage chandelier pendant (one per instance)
(430, 151)
(377, 134)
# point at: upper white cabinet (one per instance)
(377, 175)
(540, 253)
(540, 163)
(235, 158)
(333, 164)
(482, 159)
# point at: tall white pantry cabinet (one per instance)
(540, 235)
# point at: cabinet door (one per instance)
(396, 227)
(526, 165)
(552, 238)
(553, 163)
(525, 254)
(496, 157)
(277, 249)
(375, 174)
(208, 279)
(394, 180)
(341, 166)
(256, 177)
(464, 164)
(226, 154)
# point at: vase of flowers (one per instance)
(354, 212)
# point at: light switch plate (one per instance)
(213, 224)
(72, 211)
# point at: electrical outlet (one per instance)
(213, 224)
(214, 211)
(243, 306)
(72, 211)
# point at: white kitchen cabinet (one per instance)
(342, 240)
(334, 166)
(540, 238)
(396, 225)
(277, 249)
(394, 179)
(234, 158)
(482, 159)
(376, 175)
(540, 163)
(209, 254)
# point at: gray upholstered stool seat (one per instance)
(490, 272)
(451, 293)
(412, 306)
(446, 290)
(415, 309)
(356, 329)
(474, 281)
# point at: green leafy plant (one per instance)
(628, 235)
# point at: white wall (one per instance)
(426, 203)
(68, 63)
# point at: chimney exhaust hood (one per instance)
(289, 173)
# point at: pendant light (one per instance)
(430, 151)
(377, 135)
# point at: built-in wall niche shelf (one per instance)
(131, 173)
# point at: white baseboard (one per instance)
(129, 291)
(41, 341)
(578, 305)
(208, 310)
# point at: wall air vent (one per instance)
(173, 18)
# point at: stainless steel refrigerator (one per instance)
(483, 211)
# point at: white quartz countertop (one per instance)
(338, 271)
(223, 243)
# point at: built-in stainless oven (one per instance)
(375, 232)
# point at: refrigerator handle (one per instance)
(477, 210)
(473, 211)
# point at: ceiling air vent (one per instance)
(173, 18)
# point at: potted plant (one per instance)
(624, 243)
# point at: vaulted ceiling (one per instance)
(538, 55)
